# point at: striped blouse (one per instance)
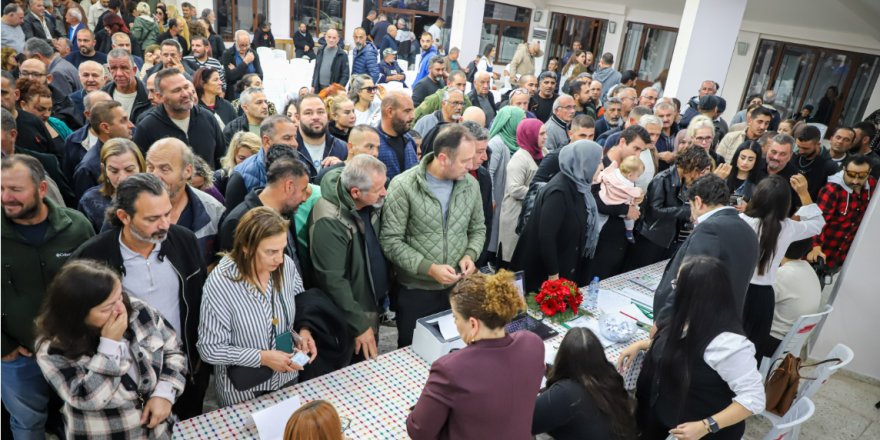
(236, 324)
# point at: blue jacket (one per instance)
(425, 64)
(387, 41)
(366, 60)
(388, 69)
(332, 147)
(253, 170)
(389, 157)
(77, 99)
(88, 171)
(73, 150)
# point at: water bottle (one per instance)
(593, 293)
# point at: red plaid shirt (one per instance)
(843, 213)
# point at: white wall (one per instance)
(738, 73)
(854, 319)
(280, 10)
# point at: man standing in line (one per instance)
(331, 64)
(433, 229)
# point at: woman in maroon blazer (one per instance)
(487, 389)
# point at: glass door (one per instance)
(860, 92)
(794, 69)
(566, 29)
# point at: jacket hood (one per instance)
(332, 190)
(603, 73)
(144, 18)
(837, 179)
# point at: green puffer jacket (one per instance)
(413, 236)
(339, 253)
(432, 103)
(28, 270)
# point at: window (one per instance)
(647, 49)
(566, 29)
(417, 14)
(506, 27)
(836, 83)
(233, 15)
(318, 15)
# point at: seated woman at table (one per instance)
(700, 377)
(248, 309)
(113, 359)
(584, 398)
(563, 230)
(487, 389)
(316, 420)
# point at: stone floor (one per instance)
(844, 406)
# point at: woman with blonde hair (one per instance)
(243, 145)
(316, 420)
(340, 112)
(362, 92)
(120, 158)
(8, 59)
(487, 389)
(247, 329)
(144, 30)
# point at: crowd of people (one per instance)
(192, 228)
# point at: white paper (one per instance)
(636, 295)
(272, 420)
(612, 302)
(550, 352)
(593, 325)
(447, 327)
(631, 311)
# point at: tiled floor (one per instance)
(844, 406)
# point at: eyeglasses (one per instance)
(455, 103)
(25, 74)
(702, 139)
(519, 91)
(371, 89)
(567, 107)
(855, 175)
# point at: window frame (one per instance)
(502, 25)
(641, 44)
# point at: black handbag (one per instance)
(244, 378)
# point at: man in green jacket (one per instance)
(431, 104)
(433, 228)
(348, 260)
(37, 237)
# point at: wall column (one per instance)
(467, 22)
(706, 41)
(354, 15)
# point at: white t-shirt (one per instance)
(126, 99)
(182, 123)
(317, 154)
(798, 292)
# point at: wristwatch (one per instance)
(713, 425)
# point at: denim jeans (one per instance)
(26, 395)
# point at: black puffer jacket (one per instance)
(663, 208)
(204, 135)
(317, 312)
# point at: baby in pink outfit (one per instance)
(618, 187)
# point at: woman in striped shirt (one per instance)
(248, 310)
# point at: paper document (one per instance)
(447, 327)
(636, 295)
(611, 302)
(272, 420)
(650, 282)
(592, 324)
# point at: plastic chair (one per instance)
(788, 427)
(403, 64)
(279, 54)
(795, 339)
(410, 77)
(264, 52)
(809, 387)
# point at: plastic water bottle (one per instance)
(593, 293)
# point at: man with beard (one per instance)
(171, 57)
(349, 264)
(583, 101)
(434, 80)
(160, 264)
(541, 103)
(109, 121)
(85, 41)
(429, 51)
(178, 117)
(255, 107)
(438, 195)
(365, 57)
(812, 160)
(172, 162)
(317, 148)
(287, 186)
(757, 122)
(431, 104)
(451, 108)
(199, 58)
(612, 118)
(38, 236)
(397, 149)
(125, 87)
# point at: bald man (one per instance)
(91, 76)
(62, 106)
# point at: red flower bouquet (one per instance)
(559, 299)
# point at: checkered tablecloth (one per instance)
(376, 396)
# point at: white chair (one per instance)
(403, 64)
(410, 77)
(809, 387)
(788, 427)
(795, 339)
(279, 54)
(264, 52)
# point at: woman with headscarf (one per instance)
(502, 144)
(563, 230)
(530, 135)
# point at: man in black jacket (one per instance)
(481, 135)
(304, 43)
(337, 71)
(719, 233)
(238, 61)
(125, 87)
(255, 107)
(180, 118)
(160, 263)
(481, 97)
(37, 22)
(812, 160)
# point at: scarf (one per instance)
(527, 137)
(505, 123)
(578, 161)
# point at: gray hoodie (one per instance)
(608, 77)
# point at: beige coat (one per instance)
(523, 63)
(520, 171)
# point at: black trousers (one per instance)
(758, 317)
(610, 251)
(645, 252)
(189, 403)
(413, 304)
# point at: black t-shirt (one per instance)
(378, 265)
(33, 234)
(541, 107)
(398, 145)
